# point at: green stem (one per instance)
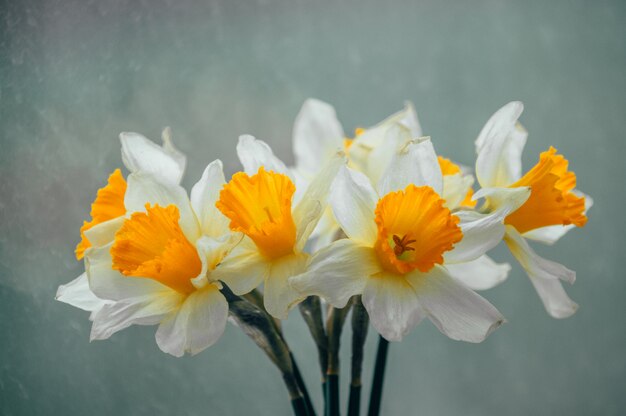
(379, 376)
(354, 402)
(334, 326)
(325, 394)
(299, 407)
(311, 311)
(260, 327)
(255, 297)
(300, 381)
(332, 394)
(298, 404)
(360, 323)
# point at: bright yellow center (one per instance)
(448, 167)
(414, 230)
(260, 207)
(152, 245)
(109, 204)
(551, 201)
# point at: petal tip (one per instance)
(497, 324)
(565, 312)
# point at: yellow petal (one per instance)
(467, 201)
(260, 207)
(414, 229)
(447, 166)
(109, 204)
(551, 200)
(152, 245)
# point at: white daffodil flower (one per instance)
(259, 204)
(138, 154)
(553, 207)
(154, 263)
(373, 149)
(318, 135)
(400, 239)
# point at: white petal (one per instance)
(499, 147)
(554, 298)
(505, 199)
(374, 136)
(455, 189)
(354, 200)
(204, 195)
(380, 158)
(482, 232)
(198, 324)
(408, 118)
(323, 239)
(480, 274)
(278, 295)
(317, 136)
(338, 272)
(104, 233)
(551, 234)
(544, 275)
(243, 269)
(255, 153)
(143, 189)
(78, 294)
(415, 163)
(534, 263)
(314, 201)
(212, 252)
(301, 180)
(454, 309)
(142, 155)
(548, 235)
(392, 305)
(326, 231)
(171, 150)
(110, 284)
(142, 310)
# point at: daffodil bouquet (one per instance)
(377, 224)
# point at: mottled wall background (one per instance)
(73, 74)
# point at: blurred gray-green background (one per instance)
(73, 74)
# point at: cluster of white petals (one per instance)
(377, 214)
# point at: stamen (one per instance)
(402, 245)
